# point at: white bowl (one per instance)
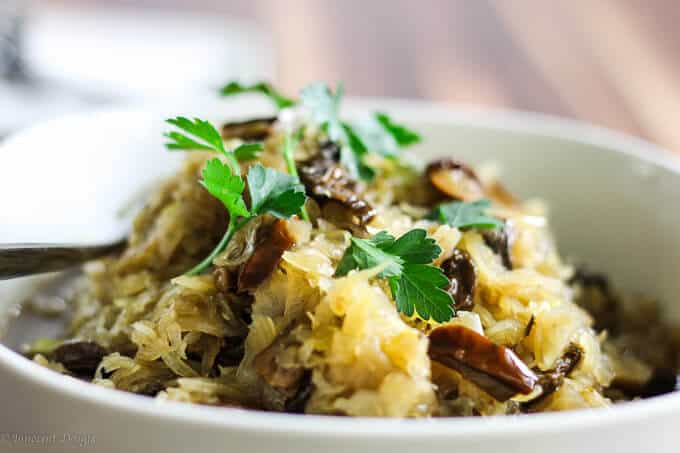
(613, 207)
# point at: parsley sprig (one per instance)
(279, 100)
(290, 141)
(324, 107)
(200, 135)
(271, 192)
(384, 136)
(461, 214)
(400, 133)
(381, 135)
(416, 285)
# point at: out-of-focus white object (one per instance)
(79, 58)
(144, 53)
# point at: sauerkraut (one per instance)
(305, 340)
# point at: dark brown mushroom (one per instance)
(80, 357)
(551, 380)
(297, 403)
(454, 179)
(598, 298)
(529, 326)
(231, 353)
(251, 130)
(284, 379)
(495, 369)
(590, 279)
(662, 381)
(500, 241)
(329, 182)
(266, 256)
(462, 276)
(151, 389)
(223, 280)
(339, 215)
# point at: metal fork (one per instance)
(19, 260)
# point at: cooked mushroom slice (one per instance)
(251, 130)
(80, 357)
(494, 368)
(338, 214)
(152, 389)
(529, 326)
(231, 353)
(500, 241)
(284, 379)
(461, 273)
(453, 179)
(328, 181)
(551, 380)
(596, 297)
(297, 403)
(266, 256)
(661, 381)
(500, 194)
(223, 280)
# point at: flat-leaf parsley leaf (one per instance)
(417, 286)
(381, 135)
(279, 100)
(273, 192)
(225, 186)
(203, 136)
(198, 129)
(324, 106)
(248, 151)
(462, 214)
(401, 134)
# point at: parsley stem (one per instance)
(233, 227)
(233, 162)
(288, 147)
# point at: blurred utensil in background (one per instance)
(11, 65)
(25, 97)
(11, 23)
(56, 60)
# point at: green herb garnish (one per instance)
(383, 136)
(461, 214)
(199, 129)
(324, 106)
(352, 156)
(401, 134)
(279, 100)
(223, 184)
(271, 192)
(290, 141)
(200, 135)
(416, 285)
(248, 151)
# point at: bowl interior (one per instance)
(611, 198)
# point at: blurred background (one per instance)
(615, 63)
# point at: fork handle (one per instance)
(19, 260)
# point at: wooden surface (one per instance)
(614, 63)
